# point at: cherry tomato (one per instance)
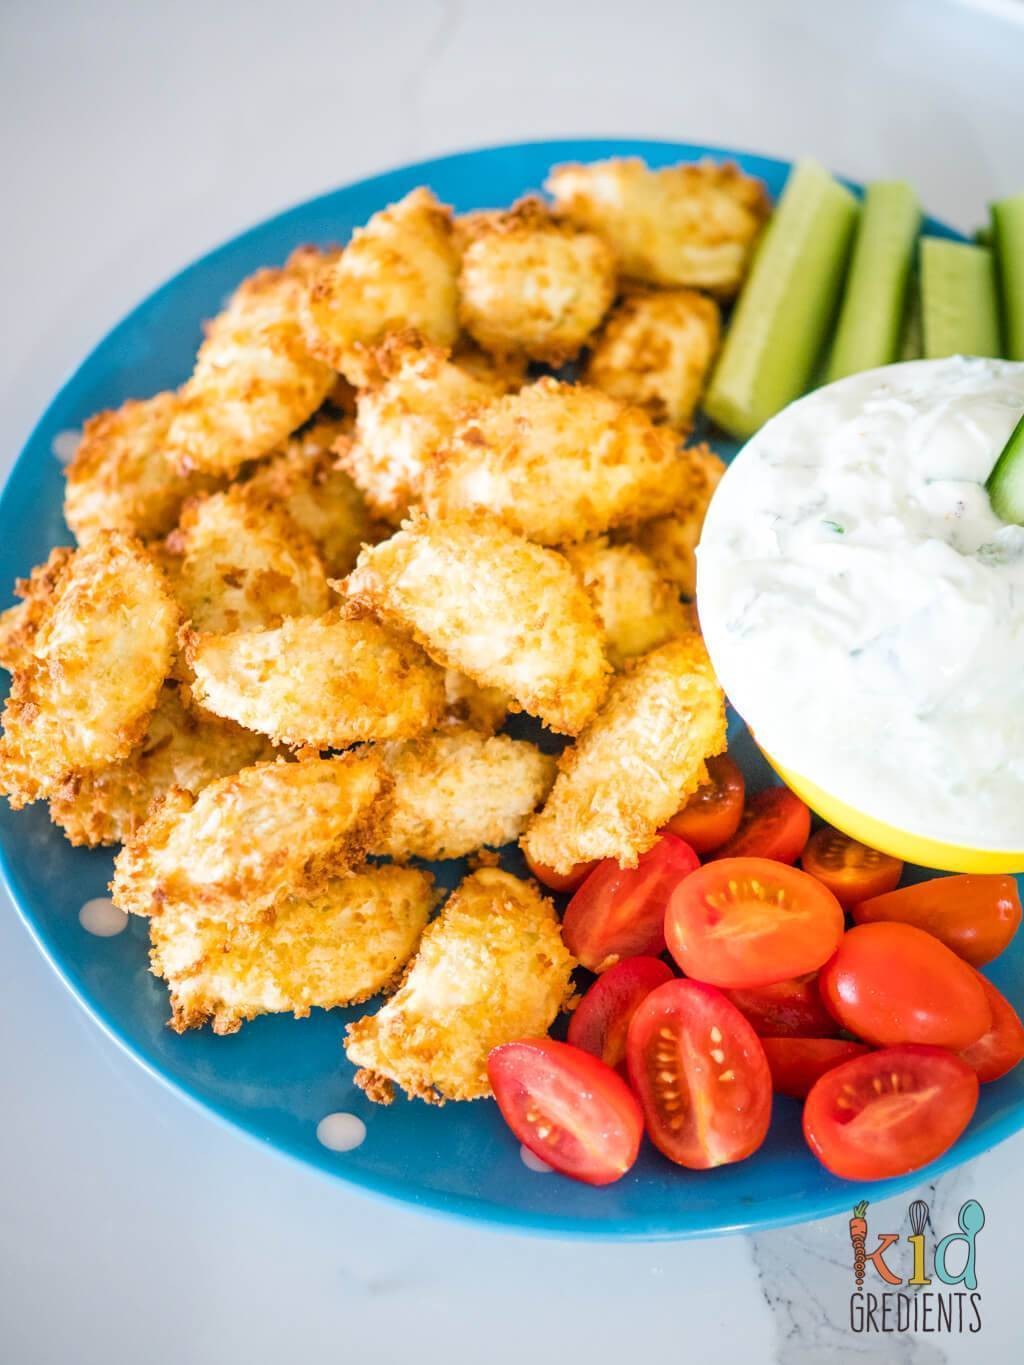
(712, 814)
(851, 871)
(620, 911)
(701, 1075)
(600, 1021)
(740, 922)
(1001, 1048)
(889, 1112)
(892, 983)
(560, 881)
(786, 1009)
(568, 1108)
(796, 1063)
(775, 824)
(974, 915)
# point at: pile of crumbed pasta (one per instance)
(310, 584)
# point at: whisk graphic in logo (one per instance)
(940, 1293)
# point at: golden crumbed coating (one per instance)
(671, 541)
(483, 600)
(101, 646)
(492, 968)
(531, 285)
(636, 763)
(254, 381)
(337, 947)
(637, 607)
(459, 790)
(400, 270)
(557, 462)
(181, 748)
(656, 350)
(485, 708)
(692, 224)
(324, 681)
(270, 830)
(18, 624)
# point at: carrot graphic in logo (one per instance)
(858, 1239)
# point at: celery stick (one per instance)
(959, 305)
(871, 317)
(1006, 482)
(787, 304)
(1008, 230)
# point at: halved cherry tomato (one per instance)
(775, 824)
(701, 1075)
(786, 1009)
(620, 911)
(851, 871)
(889, 1112)
(712, 814)
(740, 922)
(975, 915)
(560, 881)
(568, 1108)
(1002, 1047)
(796, 1063)
(600, 1021)
(892, 983)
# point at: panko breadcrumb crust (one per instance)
(637, 607)
(671, 541)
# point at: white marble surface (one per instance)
(134, 136)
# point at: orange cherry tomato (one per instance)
(851, 871)
(1002, 1047)
(600, 1021)
(712, 814)
(786, 1009)
(560, 881)
(775, 824)
(974, 914)
(796, 1063)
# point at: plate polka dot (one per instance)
(64, 445)
(534, 1163)
(341, 1132)
(102, 918)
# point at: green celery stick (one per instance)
(1006, 482)
(787, 304)
(959, 303)
(871, 317)
(1008, 231)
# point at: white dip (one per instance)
(864, 606)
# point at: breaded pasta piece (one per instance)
(656, 350)
(636, 606)
(324, 681)
(557, 462)
(83, 691)
(271, 830)
(531, 285)
(255, 380)
(636, 763)
(692, 224)
(671, 541)
(484, 708)
(400, 270)
(460, 790)
(485, 601)
(491, 968)
(18, 624)
(339, 946)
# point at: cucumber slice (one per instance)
(787, 304)
(1006, 482)
(1008, 230)
(959, 303)
(983, 235)
(871, 317)
(911, 340)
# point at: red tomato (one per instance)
(712, 814)
(796, 1063)
(741, 922)
(851, 871)
(1001, 1048)
(560, 881)
(786, 1009)
(889, 1112)
(600, 1021)
(974, 915)
(775, 824)
(568, 1108)
(620, 911)
(701, 1075)
(892, 983)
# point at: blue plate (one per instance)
(278, 1077)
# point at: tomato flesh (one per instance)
(852, 871)
(560, 881)
(713, 813)
(620, 911)
(600, 1022)
(567, 1107)
(892, 983)
(700, 1072)
(786, 1009)
(775, 824)
(1001, 1048)
(889, 1112)
(796, 1063)
(740, 922)
(974, 915)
